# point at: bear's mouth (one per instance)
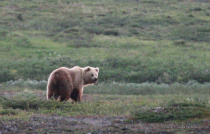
(95, 81)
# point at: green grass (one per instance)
(95, 105)
(131, 41)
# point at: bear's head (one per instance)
(90, 75)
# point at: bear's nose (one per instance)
(95, 80)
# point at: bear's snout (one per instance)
(95, 80)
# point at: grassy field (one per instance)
(131, 41)
(152, 54)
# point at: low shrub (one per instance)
(180, 43)
(8, 112)
(6, 75)
(175, 111)
(111, 32)
(95, 29)
(32, 84)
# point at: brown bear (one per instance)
(65, 83)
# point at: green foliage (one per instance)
(176, 111)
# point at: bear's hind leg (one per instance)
(76, 95)
(56, 97)
(64, 96)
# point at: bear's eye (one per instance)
(92, 75)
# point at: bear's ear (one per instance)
(97, 69)
(87, 68)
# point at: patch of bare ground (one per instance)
(94, 124)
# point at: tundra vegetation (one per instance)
(153, 55)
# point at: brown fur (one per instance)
(65, 83)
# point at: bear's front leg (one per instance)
(76, 95)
